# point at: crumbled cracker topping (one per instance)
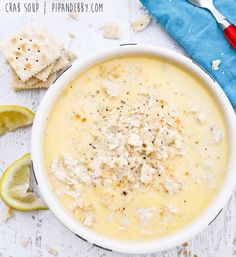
(124, 223)
(89, 221)
(170, 208)
(145, 214)
(216, 133)
(111, 88)
(135, 147)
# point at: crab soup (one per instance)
(135, 147)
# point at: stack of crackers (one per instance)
(35, 59)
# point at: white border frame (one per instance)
(135, 247)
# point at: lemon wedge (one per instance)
(15, 184)
(13, 117)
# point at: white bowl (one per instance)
(66, 218)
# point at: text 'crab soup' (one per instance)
(136, 147)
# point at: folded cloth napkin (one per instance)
(199, 34)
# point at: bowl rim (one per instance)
(132, 247)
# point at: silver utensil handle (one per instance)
(223, 22)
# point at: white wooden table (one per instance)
(42, 229)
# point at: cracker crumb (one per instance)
(74, 15)
(141, 24)
(89, 220)
(111, 31)
(70, 56)
(51, 250)
(24, 242)
(124, 223)
(146, 214)
(71, 35)
(171, 209)
(111, 88)
(184, 252)
(215, 64)
(146, 174)
(8, 214)
(134, 140)
(217, 134)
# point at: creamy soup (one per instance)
(135, 147)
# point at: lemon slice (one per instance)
(14, 187)
(13, 117)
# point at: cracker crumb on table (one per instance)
(24, 242)
(215, 64)
(184, 252)
(72, 35)
(141, 24)
(111, 31)
(7, 214)
(74, 15)
(51, 250)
